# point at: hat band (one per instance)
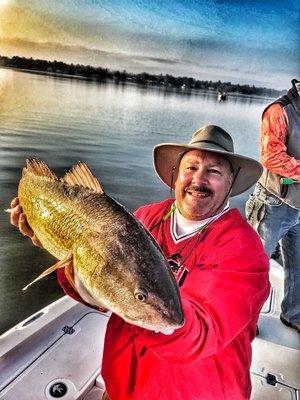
(209, 141)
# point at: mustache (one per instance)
(196, 188)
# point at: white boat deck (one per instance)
(57, 352)
(275, 369)
(60, 350)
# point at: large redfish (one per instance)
(109, 257)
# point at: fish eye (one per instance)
(141, 294)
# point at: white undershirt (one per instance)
(182, 227)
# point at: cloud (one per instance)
(71, 53)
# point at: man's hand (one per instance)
(18, 219)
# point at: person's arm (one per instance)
(219, 301)
(274, 156)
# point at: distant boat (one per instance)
(222, 96)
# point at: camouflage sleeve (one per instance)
(273, 151)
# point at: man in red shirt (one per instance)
(222, 272)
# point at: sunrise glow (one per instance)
(4, 3)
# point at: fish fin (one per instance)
(60, 264)
(81, 175)
(39, 167)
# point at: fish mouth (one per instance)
(164, 324)
(177, 321)
(166, 329)
(173, 320)
(172, 314)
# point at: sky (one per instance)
(247, 42)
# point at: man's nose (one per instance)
(199, 177)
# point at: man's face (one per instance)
(202, 184)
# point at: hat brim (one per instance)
(166, 157)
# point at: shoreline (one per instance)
(178, 90)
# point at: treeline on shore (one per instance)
(103, 74)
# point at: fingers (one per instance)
(36, 241)
(24, 227)
(14, 202)
(15, 213)
(18, 218)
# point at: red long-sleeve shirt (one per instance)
(274, 131)
(208, 358)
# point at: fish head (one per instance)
(159, 308)
(145, 294)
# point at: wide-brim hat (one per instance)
(213, 139)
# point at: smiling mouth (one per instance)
(198, 191)
(198, 194)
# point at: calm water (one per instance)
(113, 128)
